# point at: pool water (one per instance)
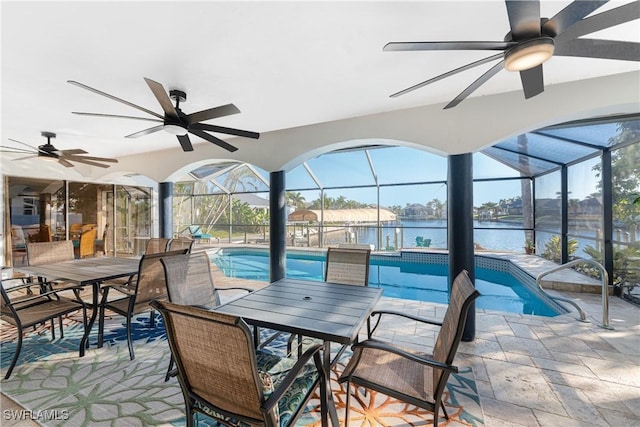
(500, 291)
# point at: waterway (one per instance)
(490, 235)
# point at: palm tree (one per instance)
(295, 198)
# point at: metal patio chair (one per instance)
(39, 253)
(181, 243)
(418, 379)
(134, 296)
(347, 266)
(24, 311)
(156, 245)
(222, 377)
(189, 282)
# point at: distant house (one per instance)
(415, 211)
(254, 201)
(590, 206)
(513, 207)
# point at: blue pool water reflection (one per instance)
(500, 291)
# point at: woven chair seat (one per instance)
(396, 373)
(276, 368)
(50, 308)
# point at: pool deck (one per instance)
(539, 371)
(533, 370)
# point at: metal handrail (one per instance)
(605, 289)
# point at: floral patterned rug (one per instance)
(105, 388)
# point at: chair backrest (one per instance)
(87, 243)
(150, 282)
(87, 227)
(7, 311)
(39, 253)
(463, 293)
(189, 280)
(216, 360)
(44, 235)
(156, 245)
(101, 244)
(181, 243)
(348, 266)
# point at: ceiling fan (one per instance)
(533, 40)
(64, 157)
(174, 121)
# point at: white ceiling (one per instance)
(284, 64)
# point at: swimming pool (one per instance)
(421, 277)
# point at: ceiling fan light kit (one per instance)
(534, 40)
(529, 54)
(48, 151)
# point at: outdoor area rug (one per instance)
(105, 388)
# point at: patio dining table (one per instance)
(85, 272)
(328, 311)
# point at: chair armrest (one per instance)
(118, 287)
(19, 287)
(236, 289)
(379, 345)
(379, 313)
(46, 294)
(287, 381)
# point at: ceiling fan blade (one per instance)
(162, 97)
(145, 132)
(72, 152)
(27, 145)
(212, 113)
(213, 139)
(98, 159)
(27, 157)
(532, 81)
(65, 163)
(603, 49)
(117, 116)
(185, 142)
(87, 162)
(460, 45)
(448, 73)
(609, 18)
(222, 129)
(16, 150)
(475, 85)
(114, 98)
(524, 18)
(571, 14)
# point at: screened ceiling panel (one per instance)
(242, 179)
(600, 134)
(526, 165)
(546, 148)
(485, 167)
(342, 168)
(208, 170)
